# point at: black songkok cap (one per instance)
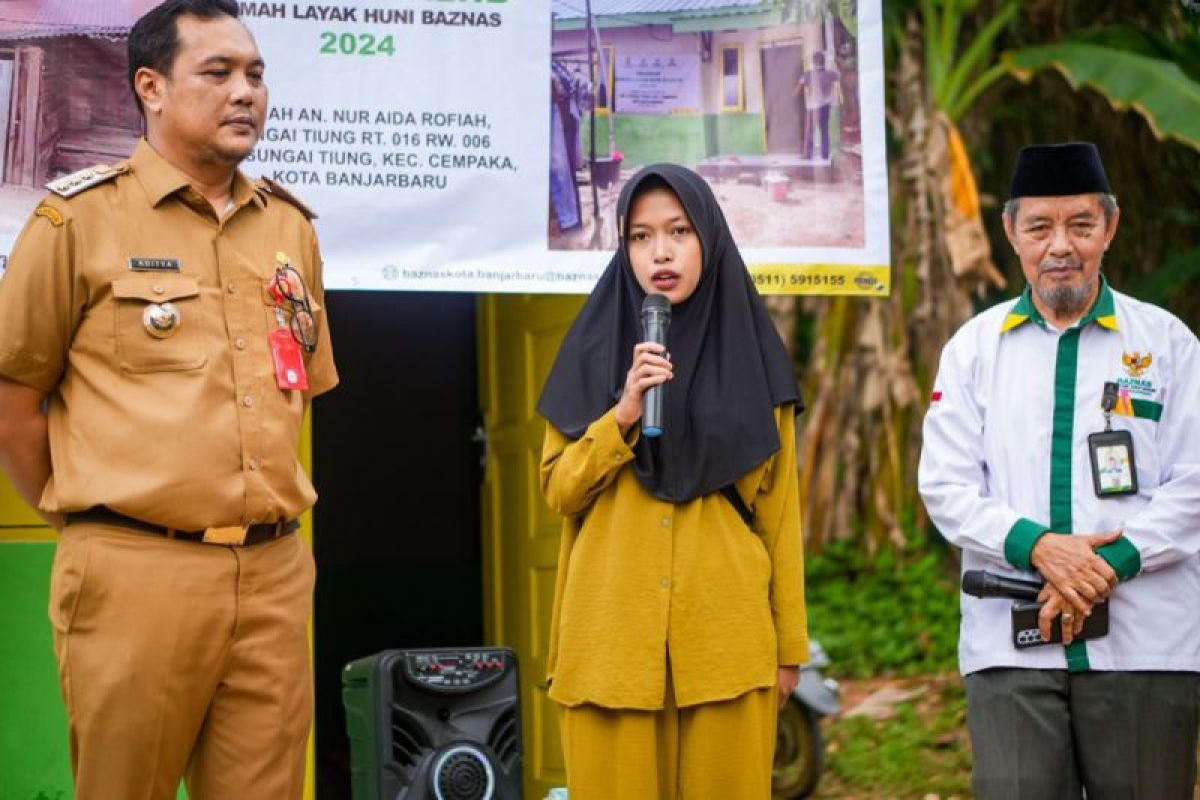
(1054, 170)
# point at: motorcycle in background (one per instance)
(799, 749)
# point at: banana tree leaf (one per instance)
(1182, 50)
(1158, 90)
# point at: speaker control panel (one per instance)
(453, 671)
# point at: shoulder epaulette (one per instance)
(283, 194)
(84, 179)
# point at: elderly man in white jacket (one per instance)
(1032, 398)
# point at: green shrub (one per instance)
(922, 750)
(894, 614)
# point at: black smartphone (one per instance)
(1025, 625)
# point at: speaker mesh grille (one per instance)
(464, 775)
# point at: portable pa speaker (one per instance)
(434, 725)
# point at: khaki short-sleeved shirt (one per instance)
(188, 431)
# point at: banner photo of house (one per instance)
(64, 98)
(764, 99)
(481, 147)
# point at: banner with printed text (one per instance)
(481, 145)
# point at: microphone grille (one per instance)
(974, 582)
(656, 302)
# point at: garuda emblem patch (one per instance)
(1136, 363)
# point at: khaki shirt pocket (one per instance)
(277, 312)
(137, 348)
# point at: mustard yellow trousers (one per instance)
(180, 659)
(711, 751)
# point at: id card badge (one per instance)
(1114, 472)
(289, 360)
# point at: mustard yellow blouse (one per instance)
(642, 581)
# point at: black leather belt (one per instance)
(255, 534)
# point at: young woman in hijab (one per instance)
(679, 620)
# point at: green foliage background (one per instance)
(894, 614)
(923, 750)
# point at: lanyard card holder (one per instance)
(1114, 471)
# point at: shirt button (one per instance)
(231, 287)
(239, 343)
(664, 584)
(247, 401)
(252, 464)
(616, 456)
(159, 290)
(666, 522)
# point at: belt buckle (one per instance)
(232, 535)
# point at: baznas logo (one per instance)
(864, 280)
(1136, 363)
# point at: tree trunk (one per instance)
(874, 361)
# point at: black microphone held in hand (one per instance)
(981, 583)
(1025, 632)
(656, 318)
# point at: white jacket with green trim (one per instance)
(1005, 459)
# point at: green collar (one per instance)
(1103, 311)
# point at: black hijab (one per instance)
(731, 369)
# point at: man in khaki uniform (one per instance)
(161, 335)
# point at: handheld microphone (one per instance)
(656, 318)
(981, 583)
(1025, 611)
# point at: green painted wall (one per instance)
(34, 763)
(687, 138)
(736, 134)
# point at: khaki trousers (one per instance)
(711, 751)
(180, 659)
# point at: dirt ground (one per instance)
(935, 700)
(813, 213)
